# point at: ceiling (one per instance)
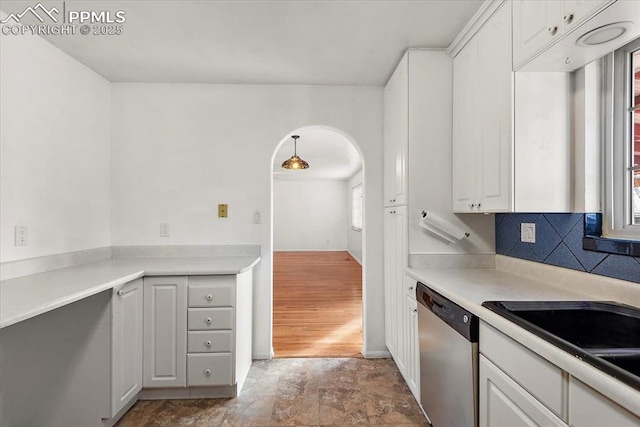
(329, 154)
(321, 42)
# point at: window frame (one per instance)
(353, 205)
(618, 122)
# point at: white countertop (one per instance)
(470, 287)
(28, 296)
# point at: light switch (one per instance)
(222, 211)
(257, 217)
(527, 232)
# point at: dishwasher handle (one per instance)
(461, 320)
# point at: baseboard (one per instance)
(376, 354)
(355, 257)
(262, 356)
(188, 392)
(310, 250)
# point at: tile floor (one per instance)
(303, 392)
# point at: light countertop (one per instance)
(28, 296)
(470, 287)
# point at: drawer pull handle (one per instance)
(209, 297)
(122, 292)
(209, 320)
(552, 30)
(208, 343)
(208, 372)
(568, 18)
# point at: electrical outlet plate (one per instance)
(222, 211)
(21, 235)
(257, 217)
(527, 232)
(164, 229)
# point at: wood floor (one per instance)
(317, 304)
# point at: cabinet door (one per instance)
(126, 344)
(396, 135)
(390, 260)
(401, 239)
(495, 102)
(535, 24)
(465, 127)
(588, 408)
(505, 403)
(577, 11)
(165, 331)
(412, 347)
(395, 261)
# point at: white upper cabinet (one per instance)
(482, 131)
(535, 24)
(465, 129)
(553, 35)
(507, 129)
(396, 135)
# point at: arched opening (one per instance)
(317, 235)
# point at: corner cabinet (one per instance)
(126, 344)
(507, 128)
(198, 334)
(396, 135)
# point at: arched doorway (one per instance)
(317, 234)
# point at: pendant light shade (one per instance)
(295, 162)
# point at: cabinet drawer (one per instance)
(209, 341)
(210, 318)
(209, 369)
(588, 408)
(545, 381)
(212, 293)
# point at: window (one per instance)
(622, 154)
(356, 207)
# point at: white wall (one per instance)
(430, 130)
(354, 237)
(179, 150)
(54, 153)
(310, 215)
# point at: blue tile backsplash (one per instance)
(559, 243)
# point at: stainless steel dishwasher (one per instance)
(448, 360)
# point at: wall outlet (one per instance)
(164, 229)
(21, 234)
(222, 210)
(257, 217)
(527, 232)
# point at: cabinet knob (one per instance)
(208, 343)
(552, 30)
(414, 311)
(478, 205)
(209, 297)
(410, 288)
(568, 18)
(209, 320)
(207, 372)
(120, 292)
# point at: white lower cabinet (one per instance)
(504, 403)
(412, 351)
(209, 369)
(588, 408)
(518, 387)
(126, 344)
(165, 331)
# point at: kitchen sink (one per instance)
(604, 334)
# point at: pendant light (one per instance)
(295, 162)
